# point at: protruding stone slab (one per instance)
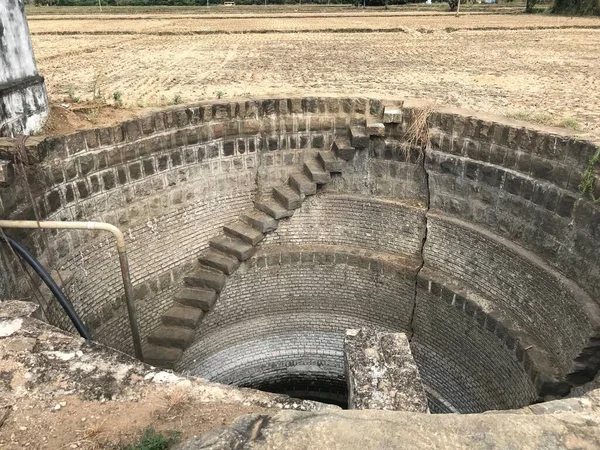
(316, 172)
(259, 220)
(159, 356)
(359, 138)
(244, 232)
(302, 184)
(182, 316)
(343, 149)
(273, 208)
(202, 278)
(6, 173)
(171, 336)
(289, 198)
(392, 115)
(374, 128)
(197, 297)
(331, 162)
(218, 260)
(382, 373)
(232, 246)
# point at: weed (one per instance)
(151, 440)
(118, 98)
(97, 93)
(544, 118)
(71, 94)
(177, 99)
(571, 123)
(588, 178)
(94, 430)
(417, 134)
(220, 94)
(177, 400)
(140, 103)
(92, 116)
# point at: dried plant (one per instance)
(417, 133)
(176, 400)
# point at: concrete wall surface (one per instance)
(23, 99)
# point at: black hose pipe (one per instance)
(47, 279)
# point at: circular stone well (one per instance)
(471, 237)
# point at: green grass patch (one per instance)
(151, 440)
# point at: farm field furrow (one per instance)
(489, 63)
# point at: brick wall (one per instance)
(521, 184)
(169, 181)
(466, 354)
(365, 222)
(495, 205)
(304, 288)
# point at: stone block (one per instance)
(382, 373)
(315, 171)
(375, 128)
(6, 173)
(343, 149)
(358, 137)
(392, 115)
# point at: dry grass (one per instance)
(417, 133)
(176, 401)
(547, 119)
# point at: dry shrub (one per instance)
(417, 133)
(176, 400)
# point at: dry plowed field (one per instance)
(537, 67)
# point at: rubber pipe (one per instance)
(49, 281)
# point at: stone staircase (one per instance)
(237, 243)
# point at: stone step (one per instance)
(206, 278)
(358, 137)
(271, 207)
(315, 171)
(260, 220)
(232, 246)
(392, 115)
(182, 316)
(245, 232)
(171, 336)
(302, 184)
(289, 198)
(375, 128)
(343, 149)
(218, 260)
(159, 356)
(203, 299)
(330, 162)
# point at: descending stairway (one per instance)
(237, 243)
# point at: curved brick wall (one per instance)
(170, 181)
(315, 289)
(480, 249)
(365, 222)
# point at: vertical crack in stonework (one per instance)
(258, 182)
(423, 242)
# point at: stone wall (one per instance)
(479, 248)
(169, 181)
(23, 100)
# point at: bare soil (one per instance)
(106, 425)
(530, 66)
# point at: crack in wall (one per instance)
(258, 181)
(423, 242)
